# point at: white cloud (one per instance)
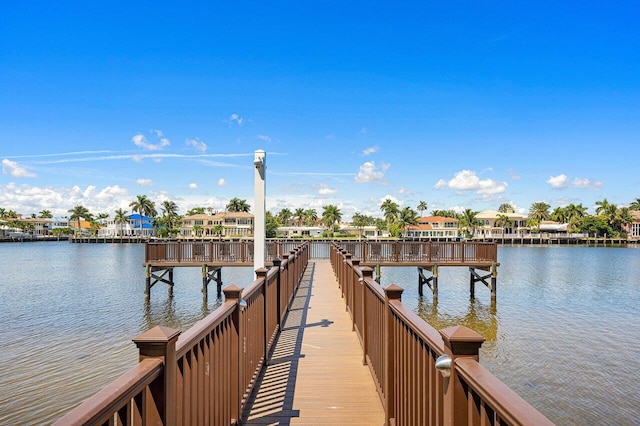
(370, 150)
(264, 138)
(14, 169)
(587, 184)
(363, 131)
(141, 141)
(369, 172)
(235, 118)
(558, 182)
(193, 185)
(514, 175)
(331, 136)
(467, 180)
(392, 198)
(325, 190)
(222, 182)
(197, 144)
(404, 191)
(144, 182)
(111, 192)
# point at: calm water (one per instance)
(563, 333)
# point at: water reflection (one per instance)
(164, 313)
(480, 317)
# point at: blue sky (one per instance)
(459, 104)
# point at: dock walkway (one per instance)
(315, 374)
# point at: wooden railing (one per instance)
(459, 252)
(403, 352)
(369, 252)
(205, 375)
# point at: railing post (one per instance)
(393, 292)
(367, 274)
(356, 288)
(276, 264)
(285, 258)
(261, 273)
(233, 293)
(459, 341)
(348, 282)
(160, 342)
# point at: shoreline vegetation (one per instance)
(610, 222)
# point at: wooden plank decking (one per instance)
(315, 374)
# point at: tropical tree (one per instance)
(360, 221)
(197, 229)
(310, 215)
(170, 213)
(422, 206)
(331, 215)
(144, 206)
(284, 216)
(445, 213)
(607, 211)
(299, 215)
(3, 213)
(468, 222)
(503, 221)
(538, 212)
(390, 209)
(506, 208)
(45, 214)
(238, 205)
(635, 204)
(559, 214)
(406, 217)
(195, 210)
(102, 218)
(271, 225)
(79, 212)
(623, 220)
(120, 219)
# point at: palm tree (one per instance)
(422, 206)
(284, 216)
(608, 211)
(238, 205)
(539, 211)
(3, 213)
(623, 219)
(559, 214)
(635, 205)
(331, 215)
(144, 206)
(101, 218)
(407, 217)
(506, 208)
(391, 210)
(195, 210)
(79, 212)
(120, 219)
(468, 222)
(503, 221)
(299, 215)
(45, 214)
(170, 213)
(310, 215)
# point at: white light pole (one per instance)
(259, 218)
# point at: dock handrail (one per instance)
(402, 352)
(205, 375)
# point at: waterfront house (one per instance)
(299, 231)
(141, 225)
(490, 225)
(217, 225)
(433, 227)
(633, 230)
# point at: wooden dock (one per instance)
(315, 373)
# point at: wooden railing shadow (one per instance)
(271, 402)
